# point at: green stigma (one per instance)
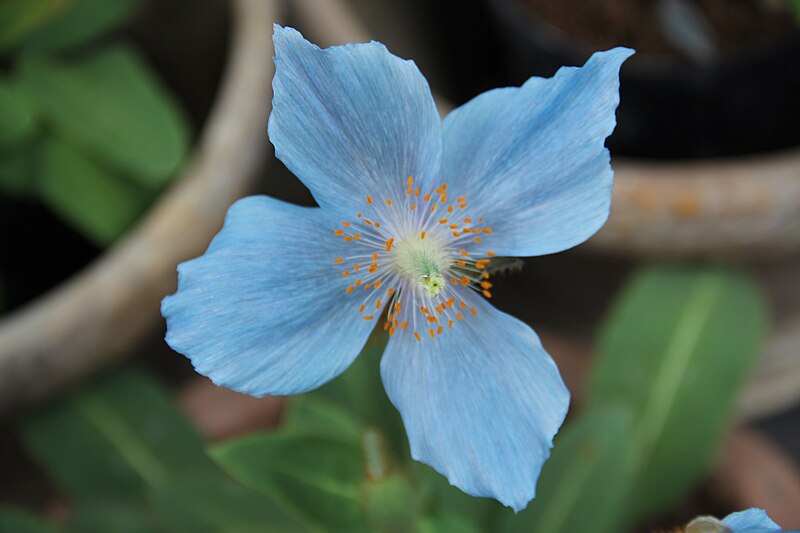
(432, 284)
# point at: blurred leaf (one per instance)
(390, 504)
(360, 391)
(16, 115)
(675, 350)
(18, 521)
(99, 204)
(79, 22)
(112, 105)
(111, 516)
(219, 506)
(18, 169)
(447, 522)
(20, 17)
(794, 5)
(315, 477)
(584, 485)
(114, 438)
(308, 415)
(437, 491)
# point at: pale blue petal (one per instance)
(752, 520)
(481, 402)
(351, 120)
(264, 310)
(532, 161)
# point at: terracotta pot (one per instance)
(100, 314)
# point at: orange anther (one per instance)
(467, 220)
(350, 289)
(389, 292)
(462, 206)
(450, 323)
(361, 308)
(355, 267)
(345, 273)
(338, 233)
(432, 333)
(369, 199)
(465, 281)
(357, 236)
(410, 181)
(368, 317)
(461, 199)
(439, 330)
(416, 191)
(346, 224)
(459, 315)
(417, 335)
(422, 235)
(454, 281)
(442, 221)
(374, 256)
(348, 238)
(424, 309)
(487, 294)
(358, 282)
(491, 254)
(378, 304)
(338, 260)
(427, 197)
(378, 284)
(461, 263)
(463, 252)
(388, 201)
(486, 285)
(444, 186)
(473, 310)
(404, 324)
(463, 305)
(477, 239)
(487, 230)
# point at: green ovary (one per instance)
(423, 262)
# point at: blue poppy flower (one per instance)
(752, 520)
(411, 210)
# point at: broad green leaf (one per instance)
(676, 349)
(584, 485)
(360, 391)
(306, 414)
(20, 17)
(447, 522)
(80, 22)
(111, 105)
(16, 115)
(439, 494)
(113, 439)
(19, 167)
(315, 477)
(219, 506)
(390, 504)
(99, 204)
(18, 521)
(112, 516)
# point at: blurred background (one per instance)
(127, 127)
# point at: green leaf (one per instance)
(19, 167)
(18, 521)
(447, 522)
(360, 391)
(112, 516)
(675, 350)
(390, 504)
(308, 415)
(99, 204)
(80, 22)
(113, 439)
(111, 105)
(315, 477)
(219, 506)
(20, 17)
(440, 495)
(584, 485)
(16, 115)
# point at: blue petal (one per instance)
(481, 402)
(532, 159)
(752, 520)
(264, 310)
(351, 120)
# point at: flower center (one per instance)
(417, 257)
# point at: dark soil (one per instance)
(735, 24)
